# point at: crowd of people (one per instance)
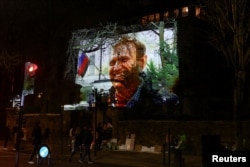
(11, 134)
(38, 138)
(81, 141)
(104, 135)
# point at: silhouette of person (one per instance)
(7, 132)
(36, 140)
(47, 138)
(99, 131)
(14, 134)
(77, 146)
(87, 144)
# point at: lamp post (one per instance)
(93, 108)
(28, 88)
(98, 101)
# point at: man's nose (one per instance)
(117, 65)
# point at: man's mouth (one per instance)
(117, 78)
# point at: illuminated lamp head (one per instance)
(44, 151)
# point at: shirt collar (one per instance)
(136, 96)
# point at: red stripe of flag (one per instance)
(83, 62)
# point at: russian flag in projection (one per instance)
(82, 66)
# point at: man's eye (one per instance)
(112, 63)
(123, 59)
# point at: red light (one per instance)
(32, 68)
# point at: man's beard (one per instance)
(130, 77)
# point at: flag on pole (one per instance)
(82, 66)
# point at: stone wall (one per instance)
(153, 133)
(59, 125)
(147, 133)
(52, 121)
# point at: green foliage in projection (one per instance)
(166, 75)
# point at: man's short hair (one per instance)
(139, 46)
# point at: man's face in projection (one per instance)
(123, 66)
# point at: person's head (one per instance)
(37, 123)
(84, 127)
(78, 130)
(128, 60)
(47, 130)
(105, 126)
(8, 124)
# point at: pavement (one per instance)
(12, 158)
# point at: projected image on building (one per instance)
(136, 70)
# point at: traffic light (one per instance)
(29, 77)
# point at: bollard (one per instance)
(169, 147)
(178, 160)
(164, 153)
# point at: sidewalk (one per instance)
(142, 159)
(101, 159)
